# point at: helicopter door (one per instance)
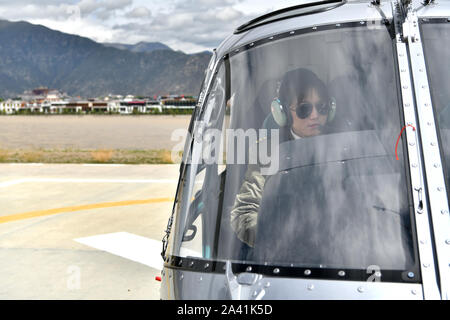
(196, 221)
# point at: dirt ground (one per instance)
(94, 132)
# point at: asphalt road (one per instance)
(83, 231)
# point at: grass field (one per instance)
(90, 139)
(68, 155)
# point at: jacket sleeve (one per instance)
(244, 213)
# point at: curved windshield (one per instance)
(293, 160)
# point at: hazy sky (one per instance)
(187, 25)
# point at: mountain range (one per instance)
(33, 56)
(139, 47)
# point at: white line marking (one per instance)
(11, 183)
(185, 252)
(63, 180)
(71, 180)
(129, 246)
(103, 165)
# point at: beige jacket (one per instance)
(244, 214)
(246, 206)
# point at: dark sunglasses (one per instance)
(304, 109)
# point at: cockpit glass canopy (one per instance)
(294, 161)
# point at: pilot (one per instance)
(301, 110)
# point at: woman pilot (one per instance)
(310, 108)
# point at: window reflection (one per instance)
(337, 198)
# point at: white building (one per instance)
(35, 107)
(113, 106)
(57, 106)
(10, 106)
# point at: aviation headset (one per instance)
(283, 117)
(279, 108)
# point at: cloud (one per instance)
(187, 25)
(29, 11)
(202, 24)
(103, 9)
(59, 10)
(139, 13)
(229, 14)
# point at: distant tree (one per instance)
(1, 100)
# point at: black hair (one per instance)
(296, 84)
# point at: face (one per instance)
(312, 125)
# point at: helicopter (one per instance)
(356, 207)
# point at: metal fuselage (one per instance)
(206, 277)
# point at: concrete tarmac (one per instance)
(79, 231)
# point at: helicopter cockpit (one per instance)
(325, 183)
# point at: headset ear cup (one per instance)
(278, 113)
(332, 112)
